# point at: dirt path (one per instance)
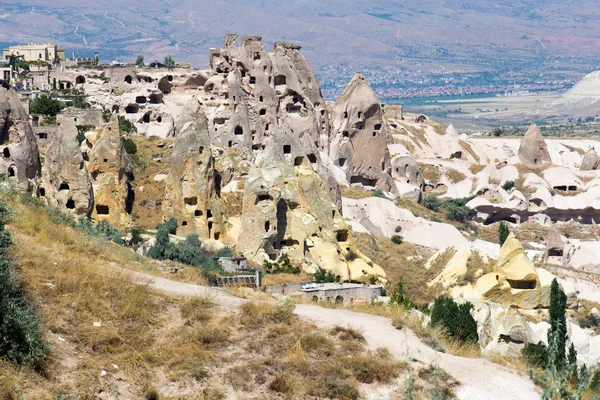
(480, 379)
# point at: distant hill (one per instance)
(338, 36)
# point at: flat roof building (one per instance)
(49, 53)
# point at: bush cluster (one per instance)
(129, 145)
(378, 193)
(102, 230)
(282, 266)
(45, 105)
(454, 209)
(455, 319)
(397, 297)
(125, 126)
(20, 329)
(324, 276)
(508, 185)
(187, 252)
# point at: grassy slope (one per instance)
(95, 319)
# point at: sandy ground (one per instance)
(480, 379)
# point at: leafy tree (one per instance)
(456, 212)
(45, 105)
(171, 225)
(557, 333)
(139, 61)
(397, 239)
(224, 252)
(397, 297)
(431, 202)
(169, 62)
(498, 132)
(20, 331)
(503, 233)
(536, 355)
(129, 145)
(125, 126)
(508, 185)
(324, 276)
(136, 237)
(456, 319)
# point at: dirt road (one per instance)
(480, 379)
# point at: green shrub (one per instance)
(398, 229)
(431, 202)
(456, 212)
(536, 355)
(324, 276)
(20, 331)
(508, 185)
(455, 319)
(397, 297)
(136, 237)
(397, 239)
(378, 193)
(45, 105)
(281, 266)
(129, 145)
(503, 233)
(224, 252)
(125, 126)
(81, 130)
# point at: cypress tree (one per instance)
(502, 233)
(557, 334)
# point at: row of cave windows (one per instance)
(147, 79)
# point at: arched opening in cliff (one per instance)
(238, 130)
(11, 171)
(293, 108)
(128, 79)
(42, 192)
(527, 285)
(341, 236)
(140, 99)
(80, 80)
(191, 201)
(70, 204)
(267, 226)
(155, 98)
(159, 119)
(263, 197)
(311, 158)
(359, 126)
(146, 118)
(132, 109)
(102, 209)
(42, 135)
(339, 299)
(363, 181)
(377, 127)
(298, 161)
(281, 214)
(130, 200)
(64, 186)
(263, 111)
(555, 252)
(280, 80)
(6, 152)
(287, 149)
(342, 162)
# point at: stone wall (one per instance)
(84, 117)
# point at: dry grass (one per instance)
(467, 147)
(455, 176)
(280, 279)
(431, 173)
(476, 168)
(401, 263)
(354, 193)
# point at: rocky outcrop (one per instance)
(194, 185)
(533, 150)
(65, 180)
(20, 160)
(359, 138)
(590, 161)
(111, 172)
(287, 210)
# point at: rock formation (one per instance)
(533, 150)
(111, 170)
(359, 139)
(590, 161)
(20, 159)
(65, 180)
(287, 210)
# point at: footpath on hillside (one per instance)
(479, 378)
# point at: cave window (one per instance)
(266, 127)
(230, 143)
(146, 118)
(377, 127)
(198, 213)
(261, 99)
(554, 252)
(208, 214)
(191, 201)
(521, 284)
(70, 204)
(105, 160)
(298, 161)
(342, 236)
(238, 131)
(140, 99)
(374, 134)
(115, 108)
(6, 152)
(79, 80)
(252, 80)
(218, 185)
(312, 158)
(359, 125)
(262, 111)
(128, 79)
(217, 234)
(201, 149)
(255, 147)
(257, 56)
(359, 114)
(159, 119)
(287, 149)
(280, 80)
(267, 226)
(11, 171)
(154, 99)
(345, 114)
(322, 112)
(572, 188)
(42, 135)
(132, 109)
(346, 134)
(342, 161)
(64, 186)
(183, 223)
(170, 78)
(102, 210)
